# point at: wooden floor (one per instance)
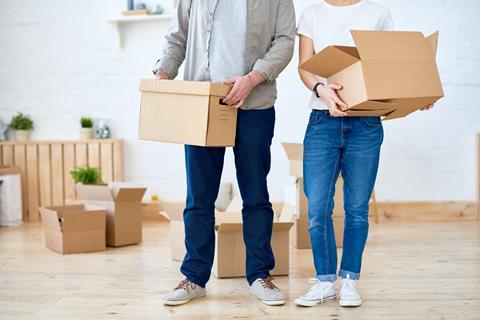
(412, 270)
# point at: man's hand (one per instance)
(428, 108)
(242, 87)
(329, 95)
(160, 75)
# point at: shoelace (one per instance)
(186, 285)
(268, 284)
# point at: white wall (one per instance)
(60, 60)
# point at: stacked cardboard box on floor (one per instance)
(124, 210)
(74, 229)
(230, 251)
(186, 112)
(300, 237)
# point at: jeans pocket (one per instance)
(373, 121)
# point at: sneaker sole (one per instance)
(180, 302)
(312, 303)
(271, 302)
(350, 303)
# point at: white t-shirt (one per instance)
(329, 25)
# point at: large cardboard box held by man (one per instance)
(186, 112)
(388, 73)
(74, 229)
(124, 210)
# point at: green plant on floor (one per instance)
(21, 122)
(86, 122)
(87, 175)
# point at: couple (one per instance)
(246, 44)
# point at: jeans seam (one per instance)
(332, 183)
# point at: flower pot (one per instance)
(22, 135)
(86, 133)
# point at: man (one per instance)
(246, 44)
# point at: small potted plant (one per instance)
(87, 175)
(22, 125)
(86, 131)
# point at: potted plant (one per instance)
(87, 175)
(86, 131)
(22, 125)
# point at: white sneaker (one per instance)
(183, 293)
(349, 296)
(319, 293)
(267, 292)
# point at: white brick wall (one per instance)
(59, 60)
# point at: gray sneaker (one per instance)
(183, 293)
(267, 292)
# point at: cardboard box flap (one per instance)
(229, 227)
(282, 226)
(330, 60)
(201, 88)
(50, 219)
(94, 192)
(391, 45)
(130, 194)
(294, 151)
(172, 215)
(84, 221)
(433, 42)
(371, 105)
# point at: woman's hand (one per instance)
(328, 93)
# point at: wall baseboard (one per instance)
(428, 210)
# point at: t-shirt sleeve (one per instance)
(305, 24)
(387, 24)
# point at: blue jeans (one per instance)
(204, 169)
(349, 145)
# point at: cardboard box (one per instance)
(174, 213)
(74, 229)
(124, 211)
(186, 112)
(230, 253)
(390, 74)
(294, 153)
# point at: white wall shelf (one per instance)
(121, 21)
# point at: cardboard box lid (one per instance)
(294, 151)
(201, 88)
(73, 218)
(398, 64)
(331, 60)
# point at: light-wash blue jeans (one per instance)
(350, 145)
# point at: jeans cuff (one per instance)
(196, 281)
(251, 278)
(327, 277)
(353, 275)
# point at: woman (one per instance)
(335, 143)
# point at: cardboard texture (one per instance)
(186, 112)
(124, 210)
(74, 229)
(300, 237)
(174, 213)
(388, 73)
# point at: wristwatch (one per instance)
(315, 87)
